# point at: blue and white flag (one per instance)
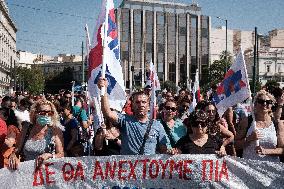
(235, 86)
(106, 51)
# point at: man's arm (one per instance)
(111, 115)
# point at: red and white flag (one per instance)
(104, 58)
(154, 83)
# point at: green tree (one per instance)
(31, 80)
(257, 86)
(271, 85)
(169, 86)
(215, 73)
(35, 80)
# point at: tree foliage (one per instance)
(32, 80)
(271, 84)
(215, 73)
(169, 86)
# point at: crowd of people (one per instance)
(43, 127)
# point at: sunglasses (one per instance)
(199, 123)
(173, 109)
(262, 102)
(44, 112)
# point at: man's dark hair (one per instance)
(6, 102)
(139, 93)
(67, 105)
(67, 92)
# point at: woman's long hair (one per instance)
(35, 107)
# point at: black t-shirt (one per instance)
(109, 148)
(187, 146)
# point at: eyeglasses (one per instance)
(44, 112)
(263, 102)
(199, 123)
(173, 109)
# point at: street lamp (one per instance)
(226, 24)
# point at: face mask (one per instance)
(43, 120)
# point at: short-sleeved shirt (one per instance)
(76, 112)
(187, 146)
(175, 133)
(132, 133)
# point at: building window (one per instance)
(160, 44)
(171, 20)
(182, 49)
(268, 68)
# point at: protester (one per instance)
(80, 114)
(107, 140)
(217, 128)
(84, 123)
(42, 139)
(12, 137)
(199, 141)
(139, 134)
(184, 107)
(22, 112)
(127, 107)
(3, 131)
(261, 138)
(172, 124)
(72, 146)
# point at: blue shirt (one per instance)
(176, 132)
(132, 133)
(76, 112)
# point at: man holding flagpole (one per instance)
(139, 134)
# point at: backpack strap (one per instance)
(168, 132)
(146, 136)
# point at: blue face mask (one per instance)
(43, 120)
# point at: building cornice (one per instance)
(193, 7)
(4, 9)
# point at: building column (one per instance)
(188, 59)
(131, 49)
(199, 45)
(143, 47)
(155, 41)
(177, 62)
(209, 41)
(118, 21)
(166, 67)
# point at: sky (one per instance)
(53, 27)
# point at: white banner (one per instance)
(157, 172)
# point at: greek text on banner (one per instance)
(156, 171)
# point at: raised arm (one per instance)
(111, 115)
